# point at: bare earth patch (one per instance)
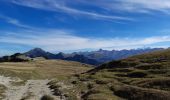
(31, 90)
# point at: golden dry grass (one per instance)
(42, 69)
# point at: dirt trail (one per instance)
(32, 90)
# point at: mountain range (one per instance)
(106, 55)
(93, 57)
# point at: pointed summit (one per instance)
(36, 52)
(37, 49)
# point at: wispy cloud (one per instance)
(60, 40)
(134, 6)
(14, 22)
(109, 6)
(147, 5)
(62, 6)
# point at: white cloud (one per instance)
(142, 6)
(60, 40)
(109, 6)
(62, 6)
(147, 5)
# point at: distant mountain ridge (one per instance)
(106, 55)
(38, 52)
(93, 57)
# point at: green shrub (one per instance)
(103, 81)
(136, 93)
(100, 96)
(150, 66)
(160, 83)
(137, 74)
(47, 97)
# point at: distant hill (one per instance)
(18, 57)
(141, 77)
(38, 52)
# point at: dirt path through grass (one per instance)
(31, 90)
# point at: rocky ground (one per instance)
(16, 89)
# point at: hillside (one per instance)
(30, 80)
(17, 57)
(142, 77)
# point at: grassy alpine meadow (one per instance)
(32, 78)
(42, 69)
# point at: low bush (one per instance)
(161, 83)
(149, 66)
(136, 93)
(137, 74)
(47, 97)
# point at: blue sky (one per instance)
(80, 25)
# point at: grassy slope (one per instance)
(42, 69)
(142, 77)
